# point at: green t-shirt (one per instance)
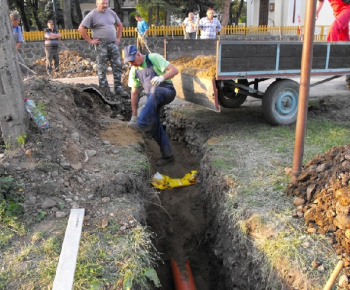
(159, 64)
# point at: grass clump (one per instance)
(107, 258)
(11, 209)
(122, 260)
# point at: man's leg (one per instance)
(48, 62)
(159, 97)
(56, 58)
(102, 58)
(114, 59)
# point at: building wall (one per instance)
(287, 13)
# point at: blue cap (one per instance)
(129, 53)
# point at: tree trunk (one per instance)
(239, 10)
(226, 14)
(13, 116)
(25, 22)
(157, 15)
(77, 14)
(150, 15)
(35, 8)
(67, 15)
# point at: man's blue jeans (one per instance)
(149, 117)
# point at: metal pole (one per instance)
(306, 65)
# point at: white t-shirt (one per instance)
(189, 27)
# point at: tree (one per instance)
(226, 13)
(239, 11)
(12, 110)
(67, 14)
(35, 9)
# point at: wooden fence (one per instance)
(320, 31)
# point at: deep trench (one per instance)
(179, 220)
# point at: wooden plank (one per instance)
(66, 265)
(253, 63)
(247, 50)
(196, 90)
(255, 58)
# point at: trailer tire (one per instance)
(229, 98)
(280, 102)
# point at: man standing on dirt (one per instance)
(18, 36)
(52, 37)
(209, 25)
(107, 31)
(339, 30)
(154, 74)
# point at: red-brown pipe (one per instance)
(182, 281)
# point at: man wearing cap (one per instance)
(154, 74)
(18, 36)
(107, 31)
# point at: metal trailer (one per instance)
(242, 65)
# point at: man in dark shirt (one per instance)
(52, 37)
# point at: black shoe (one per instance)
(121, 93)
(165, 161)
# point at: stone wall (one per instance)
(31, 51)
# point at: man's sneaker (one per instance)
(135, 127)
(120, 92)
(133, 120)
(165, 161)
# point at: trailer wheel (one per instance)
(229, 98)
(280, 102)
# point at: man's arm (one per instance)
(171, 72)
(83, 32)
(119, 27)
(319, 7)
(134, 100)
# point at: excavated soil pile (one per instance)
(72, 64)
(322, 195)
(201, 66)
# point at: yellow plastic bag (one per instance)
(162, 182)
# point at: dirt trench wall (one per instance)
(244, 266)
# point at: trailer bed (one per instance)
(242, 65)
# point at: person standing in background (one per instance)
(189, 26)
(339, 29)
(142, 30)
(18, 37)
(52, 37)
(107, 31)
(209, 25)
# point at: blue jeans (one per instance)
(149, 117)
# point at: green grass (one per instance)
(254, 166)
(106, 257)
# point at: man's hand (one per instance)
(157, 80)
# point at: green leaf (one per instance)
(151, 274)
(127, 283)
